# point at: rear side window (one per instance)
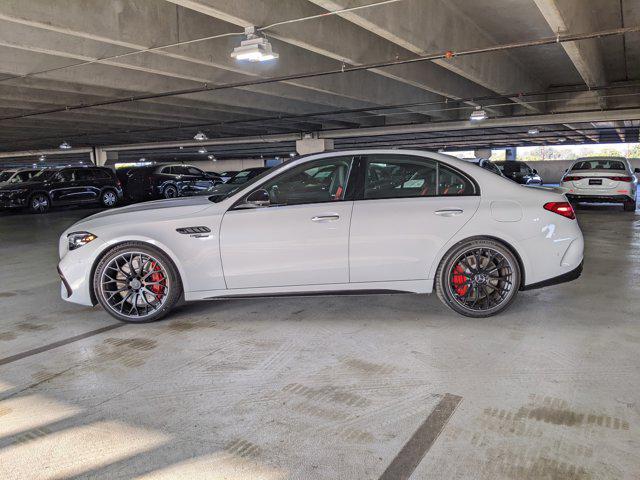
(390, 176)
(85, 174)
(102, 174)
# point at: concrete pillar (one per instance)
(313, 145)
(99, 156)
(482, 153)
(511, 153)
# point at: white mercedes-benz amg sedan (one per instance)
(602, 179)
(346, 221)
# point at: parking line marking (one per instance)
(412, 453)
(60, 343)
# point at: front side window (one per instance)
(194, 171)
(399, 176)
(314, 182)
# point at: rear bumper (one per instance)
(598, 198)
(565, 277)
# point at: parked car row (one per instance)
(40, 189)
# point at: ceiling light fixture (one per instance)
(562, 139)
(212, 158)
(255, 48)
(202, 150)
(478, 115)
(201, 137)
(64, 146)
(292, 154)
(533, 131)
(42, 158)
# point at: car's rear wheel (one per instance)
(478, 278)
(137, 283)
(39, 203)
(630, 206)
(108, 198)
(170, 191)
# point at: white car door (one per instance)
(411, 207)
(300, 238)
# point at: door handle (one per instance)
(450, 212)
(325, 218)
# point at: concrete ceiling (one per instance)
(54, 54)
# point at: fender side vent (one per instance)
(191, 230)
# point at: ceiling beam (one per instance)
(574, 17)
(424, 27)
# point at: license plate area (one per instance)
(595, 181)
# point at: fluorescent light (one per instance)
(292, 154)
(212, 158)
(562, 139)
(533, 131)
(478, 115)
(42, 158)
(200, 137)
(202, 150)
(64, 146)
(254, 49)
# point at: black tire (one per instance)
(478, 292)
(630, 206)
(170, 191)
(108, 198)
(118, 287)
(39, 203)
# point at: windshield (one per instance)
(23, 176)
(4, 176)
(243, 185)
(599, 164)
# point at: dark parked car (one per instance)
(18, 175)
(487, 165)
(225, 176)
(519, 172)
(66, 186)
(165, 181)
(237, 180)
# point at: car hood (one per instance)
(157, 210)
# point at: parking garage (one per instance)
(137, 110)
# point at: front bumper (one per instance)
(74, 270)
(12, 200)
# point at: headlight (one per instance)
(78, 239)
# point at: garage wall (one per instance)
(224, 165)
(551, 171)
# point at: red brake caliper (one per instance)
(159, 281)
(459, 280)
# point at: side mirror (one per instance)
(636, 170)
(259, 198)
(535, 172)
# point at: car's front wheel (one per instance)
(137, 283)
(478, 278)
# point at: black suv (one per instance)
(519, 172)
(66, 186)
(165, 181)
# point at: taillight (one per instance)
(571, 179)
(620, 179)
(561, 208)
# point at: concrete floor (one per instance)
(324, 387)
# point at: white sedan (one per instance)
(602, 179)
(352, 221)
